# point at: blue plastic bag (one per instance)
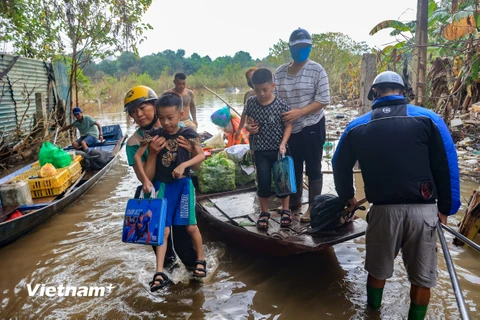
(284, 176)
(144, 221)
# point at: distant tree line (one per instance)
(169, 62)
(109, 79)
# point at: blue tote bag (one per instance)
(144, 221)
(284, 176)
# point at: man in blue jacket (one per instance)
(410, 169)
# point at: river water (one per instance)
(82, 247)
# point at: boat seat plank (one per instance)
(275, 231)
(214, 211)
(248, 203)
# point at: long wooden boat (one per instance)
(231, 216)
(45, 208)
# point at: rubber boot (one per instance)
(314, 189)
(296, 199)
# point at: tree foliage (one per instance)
(80, 29)
(169, 62)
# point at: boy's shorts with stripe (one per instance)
(180, 196)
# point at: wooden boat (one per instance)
(231, 216)
(47, 207)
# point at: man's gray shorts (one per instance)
(410, 227)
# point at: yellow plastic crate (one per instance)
(49, 192)
(56, 181)
(75, 177)
(73, 168)
(62, 176)
(27, 174)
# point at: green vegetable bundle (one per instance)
(241, 177)
(216, 174)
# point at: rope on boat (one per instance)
(453, 275)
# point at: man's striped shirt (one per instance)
(308, 85)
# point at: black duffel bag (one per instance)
(95, 159)
(326, 212)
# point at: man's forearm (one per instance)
(65, 128)
(99, 129)
(312, 108)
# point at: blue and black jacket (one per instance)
(406, 155)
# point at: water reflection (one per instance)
(82, 246)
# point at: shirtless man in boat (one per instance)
(180, 81)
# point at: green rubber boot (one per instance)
(374, 297)
(417, 312)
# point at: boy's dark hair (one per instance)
(262, 76)
(170, 99)
(180, 76)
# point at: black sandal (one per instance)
(163, 281)
(286, 219)
(262, 224)
(204, 269)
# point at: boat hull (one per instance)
(16, 228)
(224, 219)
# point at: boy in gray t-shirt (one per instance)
(90, 130)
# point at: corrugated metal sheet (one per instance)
(17, 91)
(8, 118)
(27, 77)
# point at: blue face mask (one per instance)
(300, 54)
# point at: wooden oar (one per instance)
(228, 105)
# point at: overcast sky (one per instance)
(223, 27)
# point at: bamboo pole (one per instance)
(228, 105)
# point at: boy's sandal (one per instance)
(203, 270)
(262, 223)
(286, 219)
(163, 281)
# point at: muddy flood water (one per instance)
(82, 247)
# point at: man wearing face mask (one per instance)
(303, 84)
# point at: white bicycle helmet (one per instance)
(385, 77)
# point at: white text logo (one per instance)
(61, 291)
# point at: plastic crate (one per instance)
(27, 174)
(75, 177)
(74, 168)
(49, 192)
(62, 176)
